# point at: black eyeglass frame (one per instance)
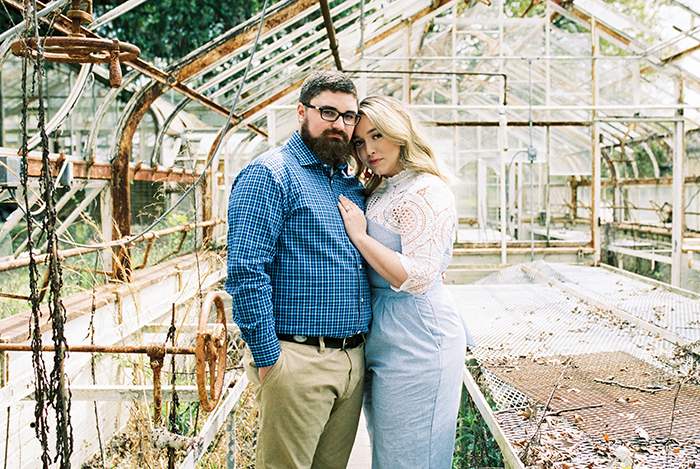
(333, 111)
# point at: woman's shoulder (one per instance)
(427, 183)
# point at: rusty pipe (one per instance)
(145, 349)
(62, 255)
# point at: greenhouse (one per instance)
(569, 129)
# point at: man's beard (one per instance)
(330, 150)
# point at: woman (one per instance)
(416, 348)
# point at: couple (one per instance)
(308, 273)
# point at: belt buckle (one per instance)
(299, 338)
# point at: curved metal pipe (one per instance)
(164, 128)
(107, 101)
(75, 93)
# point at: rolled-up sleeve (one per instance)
(255, 217)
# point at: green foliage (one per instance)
(523, 8)
(474, 445)
(170, 29)
(9, 17)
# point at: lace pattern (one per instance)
(425, 219)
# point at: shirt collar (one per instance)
(305, 156)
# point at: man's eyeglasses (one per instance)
(330, 114)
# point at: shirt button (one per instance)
(361, 300)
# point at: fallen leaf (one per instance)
(624, 454)
(642, 433)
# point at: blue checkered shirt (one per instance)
(291, 267)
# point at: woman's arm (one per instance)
(382, 259)
(428, 217)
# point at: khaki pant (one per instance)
(309, 407)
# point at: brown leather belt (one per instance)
(332, 342)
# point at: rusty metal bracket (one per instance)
(179, 246)
(145, 254)
(156, 352)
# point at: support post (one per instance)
(504, 206)
(502, 136)
(482, 193)
(121, 216)
(2, 115)
(208, 191)
(595, 151)
(200, 196)
(231, 433)
(677, 227)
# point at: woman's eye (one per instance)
(376, 136)
(358, 143)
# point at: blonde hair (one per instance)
(394, 121)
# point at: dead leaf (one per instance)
(642, 433)
(529, 412)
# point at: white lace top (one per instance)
(425, 219)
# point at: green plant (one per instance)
(474, 444)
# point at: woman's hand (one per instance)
(353, 218)
(382, 259)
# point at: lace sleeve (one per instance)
(427, 218)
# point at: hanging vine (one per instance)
(50, 390)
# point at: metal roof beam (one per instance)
(330, 31)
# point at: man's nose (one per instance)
(339, 123)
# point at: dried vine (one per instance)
(50, 390)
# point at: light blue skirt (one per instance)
(415, 354)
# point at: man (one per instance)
(300, 292)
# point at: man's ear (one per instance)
(301, 111)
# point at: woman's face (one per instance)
(377, 152)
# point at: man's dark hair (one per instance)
(326, 80)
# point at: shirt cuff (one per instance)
(265, 354)
(406, 264)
